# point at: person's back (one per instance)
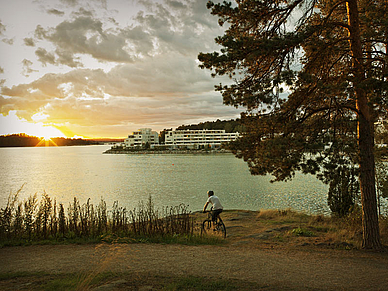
(215, 201)
(216, 204)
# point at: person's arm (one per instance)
(206, 204)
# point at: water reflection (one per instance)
(65, 172)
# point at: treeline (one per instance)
(24, 140)
(228, 125)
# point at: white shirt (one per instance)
(215, 202)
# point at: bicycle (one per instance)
(215, 227)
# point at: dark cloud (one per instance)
(83, 12)
(85, 35)
(163, 28)
(40, 32)
(9, 41)
(2, 28)
(28, 41)
(27, 68)
(55, 12)
(45, 57)
(61, 57)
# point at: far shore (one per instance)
(166, 152)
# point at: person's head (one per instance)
(210, 193)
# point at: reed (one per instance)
(43, 219)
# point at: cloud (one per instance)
(2, 28)
(9, 41)
(28, 41)
(71, 3)
(145, 71)
(85, 35)
(55, 12)
(168, 93)
(45, 57)
(171, 27)
(165, 75)
(27, 67)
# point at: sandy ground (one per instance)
(272, 267)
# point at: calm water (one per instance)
(84, 172)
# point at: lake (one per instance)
(85, 172)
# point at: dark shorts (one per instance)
(215, 213)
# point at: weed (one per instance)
(32, 220)
(302, 232)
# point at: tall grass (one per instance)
(44, 219)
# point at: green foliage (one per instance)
(382, 179)
(343, 191)
(318, 118)
(227, 125)
(331, 57)
(302, 232)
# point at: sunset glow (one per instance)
(12, 124)
(106, 68)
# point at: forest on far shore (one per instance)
(24, 140)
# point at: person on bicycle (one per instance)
(215, 201)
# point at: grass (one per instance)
(318, 229)
(43, 221)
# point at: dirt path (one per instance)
(273, 268)
(270, 266)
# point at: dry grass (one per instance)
(37, 220)
(318, 229)
(44, 219)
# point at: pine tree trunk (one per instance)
(370, 223)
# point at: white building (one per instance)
(142, 137)
(195, 139)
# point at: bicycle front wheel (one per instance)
(206, 227)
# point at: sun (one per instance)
(12, 124)
(47, 132)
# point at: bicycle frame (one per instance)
(216, 227)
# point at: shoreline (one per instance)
(166, 152)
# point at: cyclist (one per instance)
(215, 201)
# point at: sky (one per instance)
(106, 68)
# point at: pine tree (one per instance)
(331, 58)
